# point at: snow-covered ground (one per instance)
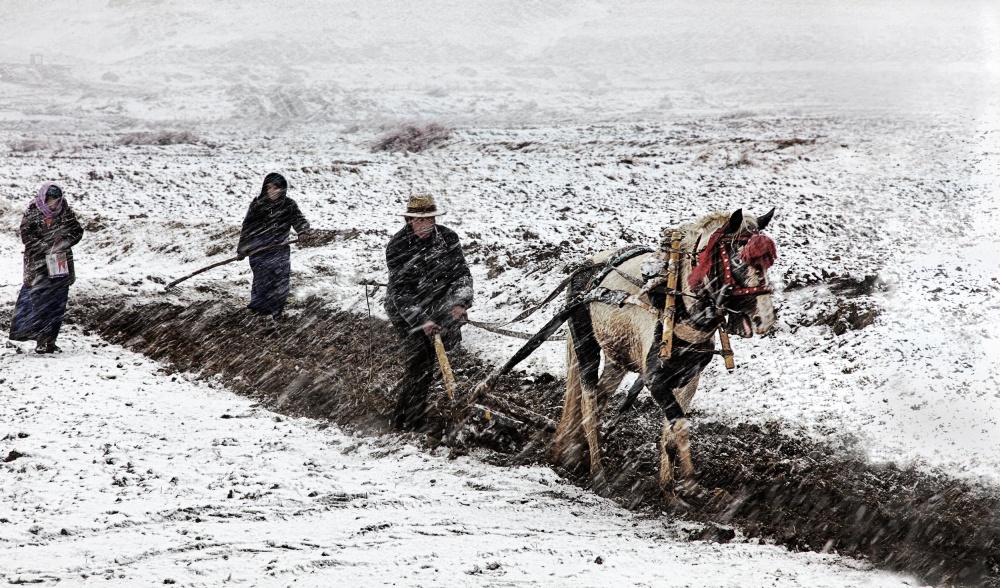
(578, 127)
(131, 477)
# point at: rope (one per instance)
(493, 328)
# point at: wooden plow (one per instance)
(480, 405)
(172, 286)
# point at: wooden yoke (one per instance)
(670, 305)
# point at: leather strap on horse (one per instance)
(615, 259)
(722, 261)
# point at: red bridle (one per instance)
(758, 251)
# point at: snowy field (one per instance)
(134, 478)
(876, 137)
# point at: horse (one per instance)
(722, 279)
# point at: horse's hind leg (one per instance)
(588, 356)
(611, 378)
(675, 442)
(593, 401)
(580, 408)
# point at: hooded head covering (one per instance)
(50, 191)
(273, 179)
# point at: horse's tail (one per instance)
(568, 441)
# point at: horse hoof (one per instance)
(671, 503)
(719, 501)
(716, 500)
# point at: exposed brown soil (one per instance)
(342, 367)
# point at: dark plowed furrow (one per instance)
(342, 367)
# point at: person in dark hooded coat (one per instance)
(49, 230)
(269, 220)
(429, 291)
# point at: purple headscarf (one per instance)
(42, 206)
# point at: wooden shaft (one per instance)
(669, 307)
(446, 375)
(230, 260)
(519, 412)
(727, 349)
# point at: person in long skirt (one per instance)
(49, 230)
(269, 220)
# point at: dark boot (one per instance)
(411, 407)
(47, 345)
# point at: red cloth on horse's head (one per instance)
(760, 252)
(701, 270)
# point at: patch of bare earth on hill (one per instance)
(342, 367)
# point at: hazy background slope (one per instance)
(526, 62)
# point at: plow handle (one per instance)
(446, 375)
(229, 260)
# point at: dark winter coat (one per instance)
(269, 222)
(40, 240)
(426, 277)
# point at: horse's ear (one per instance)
(735, 222)
(763, 220)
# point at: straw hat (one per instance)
(421, 206)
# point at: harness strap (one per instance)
(615, 260)
(637, 282)
(727, 276)
(510, 333)
(497, 327)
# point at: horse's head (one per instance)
(732, 274)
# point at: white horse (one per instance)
(722, 281)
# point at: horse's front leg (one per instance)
(675, 444)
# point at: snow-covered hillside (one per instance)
(576, 127)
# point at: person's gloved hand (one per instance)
(430, 327)
(459, 315)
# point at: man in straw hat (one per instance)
(430, 288)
